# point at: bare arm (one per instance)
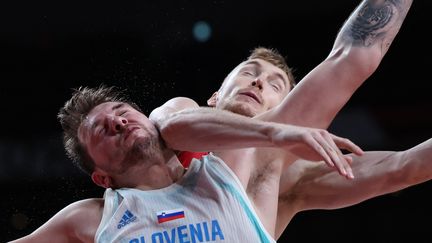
(209, 129)
(359, 48)
(67, 225)
(377, 173)
(306, 185)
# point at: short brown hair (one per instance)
(75, 110)
(274, 57)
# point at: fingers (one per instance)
(318, 147)
(339, 160)
(347, 144)
(348, 158)
(327, 146)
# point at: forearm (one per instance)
(209, 129)
(376, 173)
(383, 172)
(418, 165)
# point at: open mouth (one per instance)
(252, 95)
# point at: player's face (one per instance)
(118, 136)
(252, 88)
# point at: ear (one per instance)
(100, 178)
(213, 99)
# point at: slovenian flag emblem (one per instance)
(168, 215)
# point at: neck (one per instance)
(174, 166)
(160, 175)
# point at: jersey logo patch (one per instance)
(127, 218)
(168, 215)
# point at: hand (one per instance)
(317, 145)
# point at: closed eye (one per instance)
(249, 70)
(248, 73)
(275, 87)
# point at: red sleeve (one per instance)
(186, 157)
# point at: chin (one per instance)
(241, 109)
(144, 148)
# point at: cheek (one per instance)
(274, 100)
(235, 84)
(106, 151)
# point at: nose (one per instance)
(118, 123)
(258, 82)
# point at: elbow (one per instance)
(169, 129)
(166, 125)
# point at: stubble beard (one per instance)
(240, 108)
(144, 150)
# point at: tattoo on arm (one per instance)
(375, 21)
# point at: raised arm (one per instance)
(359, 48)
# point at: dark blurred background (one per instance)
(161, 49)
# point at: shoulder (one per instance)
(85, 208)
(72, 216)
(171, 106)
(84, 217)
